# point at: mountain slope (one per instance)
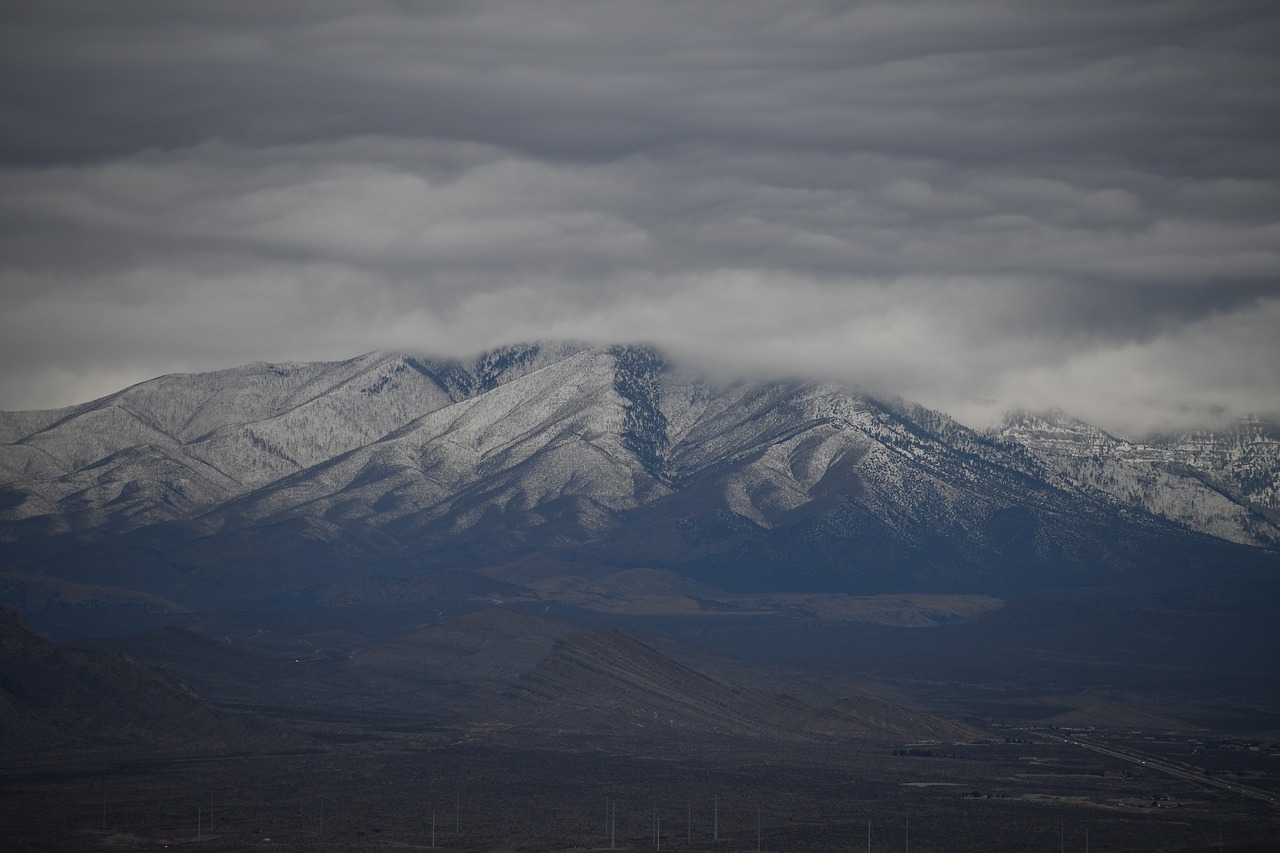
(557, 432)
(1244, 460)
(279, 480)
(59, 697)
(1220, 484)
(504, 666)
(193, 442)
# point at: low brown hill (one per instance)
(214, 668)
(56, 697)
(502, 666)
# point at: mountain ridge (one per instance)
(1217, 483)
(275, 479)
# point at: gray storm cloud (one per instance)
(975, 205)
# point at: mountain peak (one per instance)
(1054, 428)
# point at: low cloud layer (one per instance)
(975, 205)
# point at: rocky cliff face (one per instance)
(1244, 460)
(1224, 484)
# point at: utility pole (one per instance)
(321, 815)
(199, 820)
(433, 829)
(758, 830)
(717, 820)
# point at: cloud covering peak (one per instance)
(976, 205)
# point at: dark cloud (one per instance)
(974, 204)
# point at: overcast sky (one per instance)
(976, 205)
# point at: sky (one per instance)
(975, 205)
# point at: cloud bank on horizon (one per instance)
(976, 205)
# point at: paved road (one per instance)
(1164, 765)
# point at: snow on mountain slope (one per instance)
(1197, 480)
(814, 481)
(352, 412)
(16, 425)
(92, 435)
(1245, 460)
(612, 452)
(804, 441)
(133, 487)
(565, 452)
(232, 431)
(20, 462)
(555, 432)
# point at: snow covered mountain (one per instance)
(267, 479)
(1225, 484)
(179, 445)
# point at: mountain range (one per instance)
(317, 599)
(290, 482)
